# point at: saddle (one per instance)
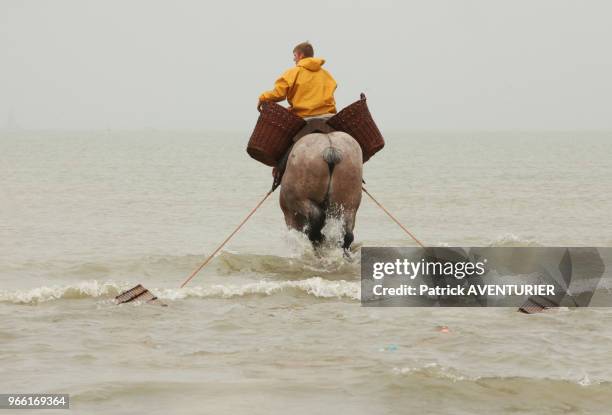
(316, 124)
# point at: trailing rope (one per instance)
(194, 273)
(393, 217)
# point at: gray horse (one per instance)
(322, 180)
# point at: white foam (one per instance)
(512, 240)
(85, 289)
(433, 370)
(585, 380)
(315, 286)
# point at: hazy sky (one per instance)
(429, 64)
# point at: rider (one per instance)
(308, 88)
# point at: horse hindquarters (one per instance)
(322, 179)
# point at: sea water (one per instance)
(269, 326)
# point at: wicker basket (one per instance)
(273, 133)
(357, 121)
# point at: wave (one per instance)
(512, 240)
(315, 286)
(437, 371)
(86, 289)
(302, 263)
(329, 263)
(303, 266)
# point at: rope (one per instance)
(211, 256)
(194, 273)
(393, 218)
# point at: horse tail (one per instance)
(332, 156)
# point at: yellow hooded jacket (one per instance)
(308, 88)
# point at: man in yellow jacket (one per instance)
(308, 87)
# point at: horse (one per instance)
(322, 180)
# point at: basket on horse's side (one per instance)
(357, 121)
(273, 133)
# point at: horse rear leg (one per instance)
(344, 199)
(305, 216)
(348, 219)
(316, 222)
